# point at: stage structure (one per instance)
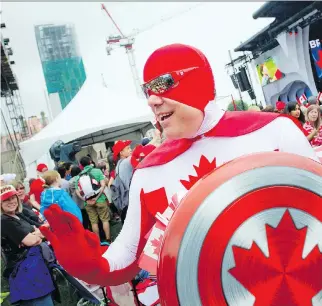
(287, 54)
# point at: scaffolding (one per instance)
(16, 115)
(19, 130)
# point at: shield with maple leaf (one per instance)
(249, 233)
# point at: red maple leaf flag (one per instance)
(149, 258)
(283, 278)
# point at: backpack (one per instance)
(119, 192)
(88, 186)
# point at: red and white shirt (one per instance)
(317, 139)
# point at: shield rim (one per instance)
(170, 249)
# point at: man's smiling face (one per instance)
(178, 120)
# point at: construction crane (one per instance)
(127, 42)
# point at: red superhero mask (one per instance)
(181, 73)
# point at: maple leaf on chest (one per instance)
(283, 278)
(203, 169)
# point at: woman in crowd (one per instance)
(53, 194)
(29, 278)
(293, 109)
(313, 125)
(27, 208)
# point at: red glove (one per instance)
(79, 252)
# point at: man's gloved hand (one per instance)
(77, 250)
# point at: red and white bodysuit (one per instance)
(222, 137)
(169, 175)
(290, 139)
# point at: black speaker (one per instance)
(68, 152)
(55, 149)
(251, 94)
(234, 81)
(243, 81)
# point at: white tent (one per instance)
(96, 114)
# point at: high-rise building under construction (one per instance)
(61, 61)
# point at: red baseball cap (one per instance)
(6, 192)
(280, 105)
(42, 168)
(119, 146)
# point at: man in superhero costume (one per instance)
(180, 88)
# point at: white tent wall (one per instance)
(133, 131)
(96, 114)
(31, 171)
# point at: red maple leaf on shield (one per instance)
(283, 278)
(156, 243)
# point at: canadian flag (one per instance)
(301, 99)
(320, 96)
(149, 258)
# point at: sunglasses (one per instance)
(21, 188)
(165, 82)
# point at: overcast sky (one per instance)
(212, 27)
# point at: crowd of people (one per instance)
(22, 213)
(89, 195)
(200, 137)
(308, 115)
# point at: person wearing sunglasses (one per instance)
(180, 89)
(27, 208)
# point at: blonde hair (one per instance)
(50, 177)
(317, 123)
(16, 184)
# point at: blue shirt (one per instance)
(62, 199)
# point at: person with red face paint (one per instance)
(180, 89)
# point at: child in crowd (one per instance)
(53, 194)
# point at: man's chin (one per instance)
(171, 134)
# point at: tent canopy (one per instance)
(96, 114)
